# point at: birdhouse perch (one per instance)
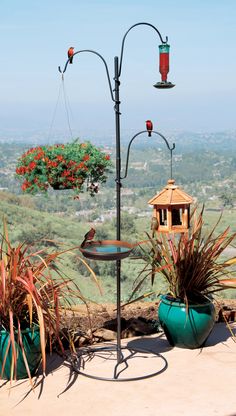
(171, 209)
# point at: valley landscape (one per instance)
(204, 165)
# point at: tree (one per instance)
(227, 199)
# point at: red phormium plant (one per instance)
(33, 294)
(191, 264)
(77, 166)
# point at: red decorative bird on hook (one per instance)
(149, 127)
(70, 54)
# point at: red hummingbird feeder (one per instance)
(164, 67)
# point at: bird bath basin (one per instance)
(106, 250)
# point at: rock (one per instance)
(129, 328)
(81, 341)
(227, 314)
(140, 326)
(105, 334)
(112, 324)
(105, 315)
(128, 333)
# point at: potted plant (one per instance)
(75, 165)
(194, 271)
(33, 297)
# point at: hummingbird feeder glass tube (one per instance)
(164, 61)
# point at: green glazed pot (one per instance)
(186, 328)
(31, 343)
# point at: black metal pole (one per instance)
(118, 156)
(118, 204)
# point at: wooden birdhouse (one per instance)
(171, 209)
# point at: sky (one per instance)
(36, 34)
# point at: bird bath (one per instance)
(106, 250)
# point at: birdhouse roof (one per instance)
(171, 195)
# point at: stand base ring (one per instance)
(79, 362)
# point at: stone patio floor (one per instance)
(196, 382)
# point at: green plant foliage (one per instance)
(63, 166)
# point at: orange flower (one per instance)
(52, 164)
(65, 173)
(25, 185)
(21, 170)
(39, 156)
(32, 165)
(71, 163)
(60, 158)
(86, 157)
(81, 165)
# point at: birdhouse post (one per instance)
(171, 209)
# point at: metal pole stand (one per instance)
(97, 356)
(107, 352)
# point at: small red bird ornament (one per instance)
(88, 236)
(149, 127)
(70, 54)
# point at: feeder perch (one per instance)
(171, 209)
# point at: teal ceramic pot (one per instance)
(186, 328)
(31, 343)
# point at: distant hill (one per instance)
(220, 141)
(185, 141)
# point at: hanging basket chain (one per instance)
(54, 112)
(67, 108)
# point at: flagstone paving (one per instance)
(195, 383)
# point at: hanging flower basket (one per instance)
(77, 166)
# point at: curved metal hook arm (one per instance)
(123, 41)
(138, 134)
(103, 60)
